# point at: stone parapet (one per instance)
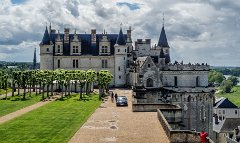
(187, 67)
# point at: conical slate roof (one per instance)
(162, 42)
(162, 53)
(46, 37)
(121, 38)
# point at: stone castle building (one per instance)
(148, 69)
(88, 51)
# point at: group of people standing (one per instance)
(114, 96)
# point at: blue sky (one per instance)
(18, 1)
(205, 31)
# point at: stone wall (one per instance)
(85, 63)
(178, 136)
(148, 107)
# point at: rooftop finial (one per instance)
(163, 19)
(121, 25)
(75, 32)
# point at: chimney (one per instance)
(129, 34)
(66, 35)
(93, 35)
(148, 41)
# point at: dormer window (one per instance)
(104, 46)
(104, 49)
(75, 49)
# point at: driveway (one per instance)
(119, 124)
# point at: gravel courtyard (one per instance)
(120, 125)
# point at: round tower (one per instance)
(120, 55)
(46, 52)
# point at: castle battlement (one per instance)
(141, 41)
(187, 67)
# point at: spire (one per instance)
(34, 60)
(162, 53)
(121, 38)
(46, 37)
(162, 42)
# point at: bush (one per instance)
(226, 86)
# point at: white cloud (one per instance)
(197, 30)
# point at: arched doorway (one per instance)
(149, 82)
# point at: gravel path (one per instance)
(119, 124)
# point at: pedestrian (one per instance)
(203, 137)
(112, 96)
(116, 96)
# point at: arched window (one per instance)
(149, 82)
(197, 81)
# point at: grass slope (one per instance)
(234, 96)
(55, 122)
(15, 103)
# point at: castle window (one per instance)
(118, 50)
(58, 64)
(104, 64)
(75, 63)
(119, 68)
(223, 111)
(104, 49)
(235, 111)
(149, 82)
(75, 49)
(125, 50)
(175, 81)
(149, 65)
(119, 77)
(47, 49)
(59, 49)
(197, 81)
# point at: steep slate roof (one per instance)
(46, 38)
(162, 42)
(121, 39)
(162, 53)
(224, 103)
(167, 58)
(227, 125)
(87, 47)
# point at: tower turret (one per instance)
(46, 38)
(161, 60)
(163, 43)
(120, 60)
(46, 51)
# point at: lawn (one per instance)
(55, 122)
(15, 103)
(2, 91)
(234, 96)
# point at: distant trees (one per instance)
(225, 85)
(215, 77)
(234, 80)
